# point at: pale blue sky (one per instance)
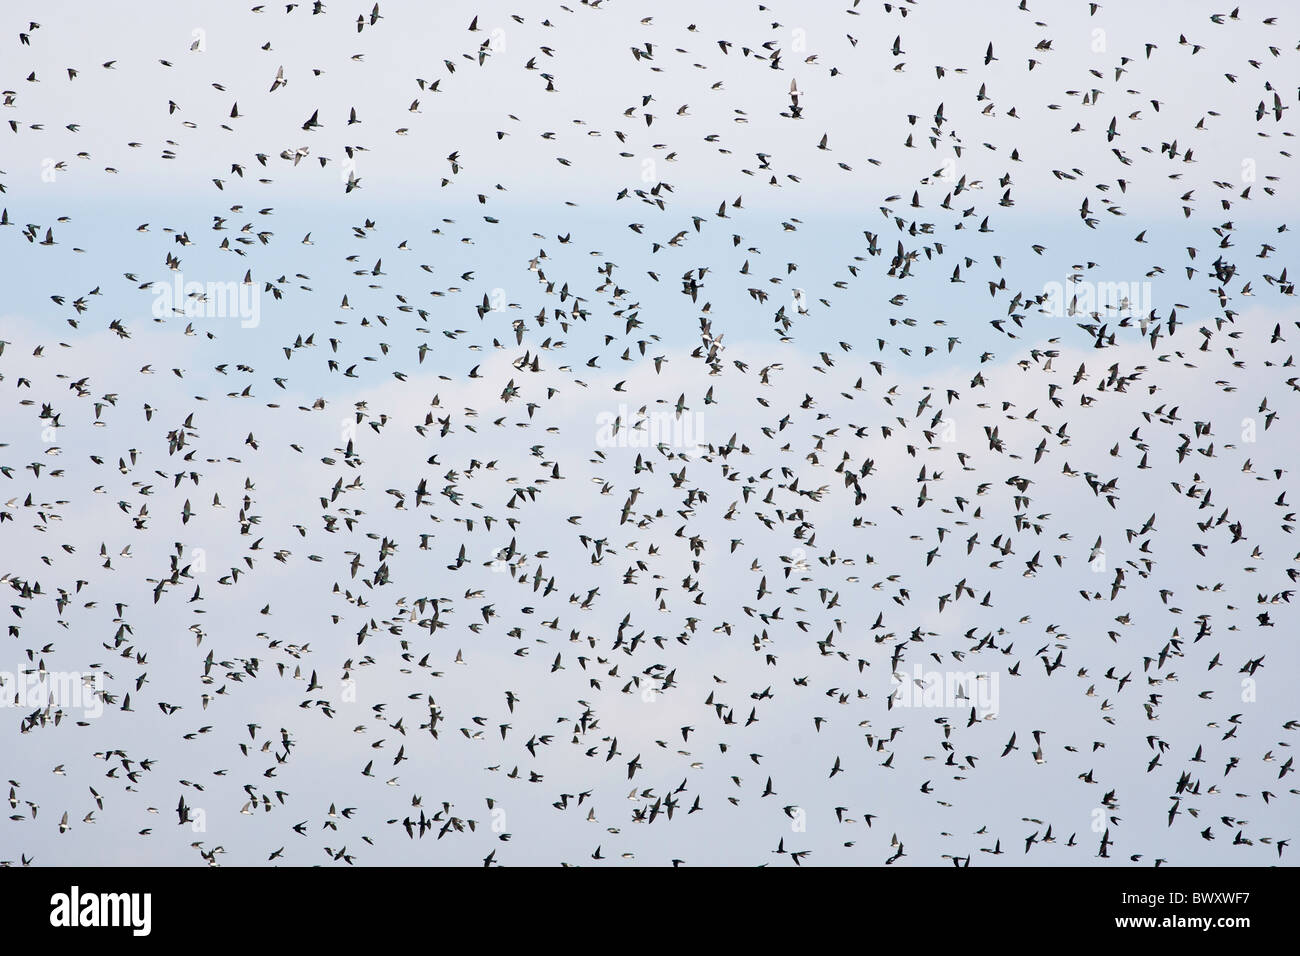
(864, 112)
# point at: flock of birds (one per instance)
(776, 541)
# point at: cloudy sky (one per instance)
(378, 481)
